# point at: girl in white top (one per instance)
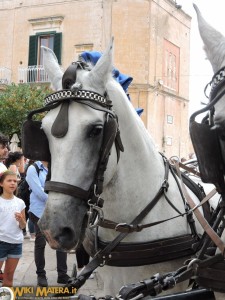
(12, 221)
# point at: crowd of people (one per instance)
(18, 217)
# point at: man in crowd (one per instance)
(38, 199)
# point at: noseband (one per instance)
(72, 91)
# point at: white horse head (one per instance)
(214, 45)
(77, 166)
(128, 184)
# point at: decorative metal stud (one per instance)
(75, 87)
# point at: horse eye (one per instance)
(95, 131)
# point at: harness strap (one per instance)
(118, 144)
(109, 135)
(186, 272)
(128, 254)
(190, 170)
(205, 225)
(215, 222)
(61, 124)
(69, 76)
(129, 228)
(65, 188)
(172, 205)
(124, 227)
(207, 198)
(104, 255)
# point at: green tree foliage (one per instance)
(16, 101)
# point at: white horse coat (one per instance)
(128, 185)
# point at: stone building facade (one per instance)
(152, 40)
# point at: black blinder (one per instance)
(207, 148)
(34, 141)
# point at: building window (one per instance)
(169, 141)
(47, 41)
(169, 119)
(51, 40)
(47, 31)
(35, 71)
(171, 65)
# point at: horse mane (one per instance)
(127, 109)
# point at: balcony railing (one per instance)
(5, 75)
(35, 74)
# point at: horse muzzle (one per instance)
(64, 223)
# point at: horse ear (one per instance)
(52, 68)
(103, 68)
(214, 41)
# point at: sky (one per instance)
(200, 68)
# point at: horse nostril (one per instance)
(67, 233)
(65, 237)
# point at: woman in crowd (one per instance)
(15, 163)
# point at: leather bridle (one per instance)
(72, 92)
(111, 135)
